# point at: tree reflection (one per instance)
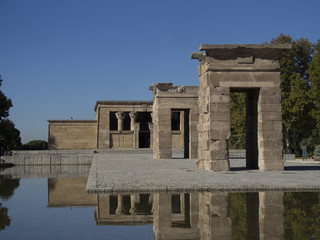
(7, 187)
(302, 215)
(4, 218)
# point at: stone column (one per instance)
(214, 222)
(270, 127)
(150, 124)
(103, 208)
(162, 212)
(162, 145)
(135, 128)
(182, 123)
(214, 124)
(271, 215)
(120, 116)
(120, 208)
(133, 200)
(133, 117)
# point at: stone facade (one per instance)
(124, 124)
(166, 100)
(63, 192)
(118, 125)
(72, 134)
(253, 69)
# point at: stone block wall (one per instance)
(72, 134)
(247, 68)
(64, 192)
(166, 99)
(162, 139)
(214, 222)
(271, 215)
(122, 139)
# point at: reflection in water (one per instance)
(7, 187)
(4, 218)
(265, 215)
(204, 215)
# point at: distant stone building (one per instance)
(117, 125)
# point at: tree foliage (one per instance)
(297, 101)
(9, 135)
(314, 73)
(238, 120)
(302, 215)
(300, 91)
(5, 103)
(35, 145)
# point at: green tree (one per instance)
(9, 135)
(302, 215)
(238, 120)
(314, 73)
(35, 145)
(297, 102)
(5, 103)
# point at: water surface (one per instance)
(59, 208)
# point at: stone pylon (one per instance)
(249, 68)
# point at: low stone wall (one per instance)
(49, 159)
(51, 152)
(237, 153)
(46, 171)
(289, 157)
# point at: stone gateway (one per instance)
(255, 70)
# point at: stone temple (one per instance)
(196, 119)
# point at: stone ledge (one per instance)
(205, 47)
(125, 173)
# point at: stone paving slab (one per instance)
(124, 173)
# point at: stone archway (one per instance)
(166, 99)
(255, 69)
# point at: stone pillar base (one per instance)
(219, 165)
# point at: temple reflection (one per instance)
(124, 209)
(204, 215)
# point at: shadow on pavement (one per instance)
(301, 168)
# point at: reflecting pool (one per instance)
(59, 208)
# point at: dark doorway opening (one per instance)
(176, 118)
(144, 139)
(251, 125)
(144, 118)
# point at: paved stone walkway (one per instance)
(123, 173)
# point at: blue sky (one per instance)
(58, 57)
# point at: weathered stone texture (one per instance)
(271, 215)
(72, 134)
(250, 68)
(64, 192)
(167, 99)
(214, 222)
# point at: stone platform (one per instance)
(124, 173)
